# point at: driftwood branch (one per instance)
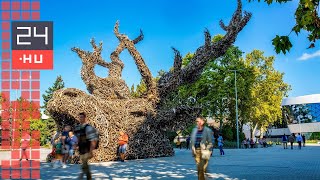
(209, 51)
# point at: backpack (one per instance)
(82, 136)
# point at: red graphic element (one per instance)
(35, 145)
(5, 164)
(5, 15)
(26, 124)
(15, 164)
(6, 95)
(5, 174)
(5, 45)
(35, 95)
(36, 164)
(5, 55)
(16, 144)
(5, 35)
(35, 85)
(16, 125)
(5, 75)
(35, 135)
(5, 124)
(25, 94)
(36, 5)
(15, 85)
(35, 15)
(15, 173)
(5, 144)
(35, 75)
(5, 135)
(35, 174)
(25, 174)
(25, 106)
(25, 5)
(15, 15)
(5, 115)
(25, 85)
(5, 25)
(5, 65)
(15, 5)
(15, 154)
(15, 74)
(35, 154)
(25, 75)
(5, 5)
(25, 164)
(32, 59)
(5, 84)
(25, 15)
(35, 115)
(35, 106)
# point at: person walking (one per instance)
(188, 142)
(220, 144)
(304, 140)
(285, 141)
(123, 141)
(299, 140)
(65, 145)
(24, 146)
(87, 141)
(291, 140)
(201, 144)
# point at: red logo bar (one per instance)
(32, 59)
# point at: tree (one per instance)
(307, 18)
(50, 122)
(214, 90)
(58, 84)
(268, 90)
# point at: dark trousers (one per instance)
(252, 145)
(299, 142)
(291, 145)
(221, 150)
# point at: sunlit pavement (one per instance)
(262, 163)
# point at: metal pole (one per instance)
(235, 85)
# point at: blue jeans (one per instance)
(221, 150)
(123, 148)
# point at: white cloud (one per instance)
(306, 56)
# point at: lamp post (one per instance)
(236, 92)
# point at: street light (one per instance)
(235, 87)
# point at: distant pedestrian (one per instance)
(264, 141)
(285, 141)
(252, 143)
(304, 140)
(220, 144)
(24, 146)
(123, 141)
(291, 140)
(201, 143)
(299, 140)
(188, 142)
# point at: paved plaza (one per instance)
(261, 163)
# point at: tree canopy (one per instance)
(307, 18)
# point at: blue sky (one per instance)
(167, 24)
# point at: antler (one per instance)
(142, 67)
(209, 51)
